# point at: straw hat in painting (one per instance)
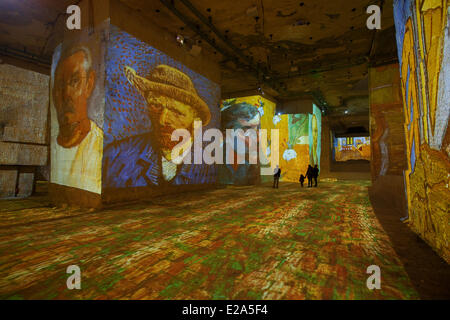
(170, 82)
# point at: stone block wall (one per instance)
(23, 129)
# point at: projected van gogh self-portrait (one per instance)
(247, 113)
(149, 96)
(240, 116)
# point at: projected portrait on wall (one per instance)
(352, 148)
(242, 116)
(149, 96)
(77, 140)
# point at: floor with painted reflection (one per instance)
(229, 243)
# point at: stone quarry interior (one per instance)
(91, 175)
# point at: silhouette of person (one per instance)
(302, 179)
(309, 175)
(315, 175)
(276, 177)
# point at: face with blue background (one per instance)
(148, 96)
(172, 102)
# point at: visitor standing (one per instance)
(276, 177)
(302, 179)
(309, 175)
(315, 174)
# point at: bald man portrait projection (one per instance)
(77, 141)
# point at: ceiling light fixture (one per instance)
(260, 90)
(180, 39)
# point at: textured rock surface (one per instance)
(8, 180)
(429, 212)
(23, 154)
(23, 128)
(386, 122)
(24, 100)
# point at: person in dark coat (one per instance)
(315, 174)
(309, 175)
(276, 177)
(302, 179)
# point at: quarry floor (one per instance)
(225, 243)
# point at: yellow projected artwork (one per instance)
(352, 149)
(294, 145)
(424, 54)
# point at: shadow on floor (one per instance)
(428, 272)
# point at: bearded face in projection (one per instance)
(173, 103)
(245, 120)
(167, 115)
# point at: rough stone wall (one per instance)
(23, 128)
(386, 122)
(387, 135)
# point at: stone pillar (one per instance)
(108, 141)
(387, 136)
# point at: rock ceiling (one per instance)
(291, 49)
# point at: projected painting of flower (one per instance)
(294, 145)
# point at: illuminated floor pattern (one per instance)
(233, 243)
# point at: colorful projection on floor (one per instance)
(77, 104)
(352, 148)
(423, 43)
(149, 95)
(254, 112)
